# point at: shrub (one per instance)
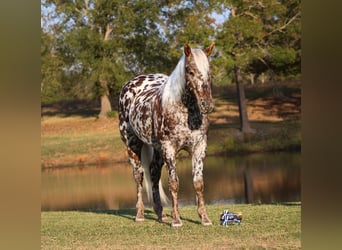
(112, 114)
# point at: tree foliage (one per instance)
(262, 37)
(91, 47)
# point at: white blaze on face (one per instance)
(202, 62)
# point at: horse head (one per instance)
(197, 76)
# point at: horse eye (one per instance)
(191, 73)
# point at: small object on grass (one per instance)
(228, 218)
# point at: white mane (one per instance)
(175, 84)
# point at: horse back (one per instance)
(139, 99)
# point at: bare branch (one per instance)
(285, 25)
(109, 30)
(86, 13)
(247, 13)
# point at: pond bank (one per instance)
(81, 141)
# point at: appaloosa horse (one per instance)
(161, 115)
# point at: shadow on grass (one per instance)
(130, 213)
(76, 107)
(67, 108)
(290, 204)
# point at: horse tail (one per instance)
(146, 159)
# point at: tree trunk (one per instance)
(262, 78)
(105, 103)
(251, 77)
(244, 123)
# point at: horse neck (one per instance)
(175, 85)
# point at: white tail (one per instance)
(146, 159)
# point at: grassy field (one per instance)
(272, 226)
(77, 140)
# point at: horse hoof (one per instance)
(206, 222)
(176, 223)
(164, 218)
(139, 219)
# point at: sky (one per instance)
(220, 18)
(45, 11)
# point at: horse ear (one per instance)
(187, 50)
(210, 49)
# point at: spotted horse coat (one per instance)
(161, 115)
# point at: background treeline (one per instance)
(90, 48)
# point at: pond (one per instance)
(257, 178)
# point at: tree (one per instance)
(188, 22)
(284, 55)
(239, 33)
(91, 39)
(50, 69)
(97, 45)
(252, 41)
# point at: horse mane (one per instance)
(175, 84)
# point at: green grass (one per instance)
(72, 149)
(269, 137)
(79, 144)
(273, 226)
(280, 136)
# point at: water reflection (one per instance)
(247, 179)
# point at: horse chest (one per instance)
(175, 128)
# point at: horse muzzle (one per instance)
(206, 106)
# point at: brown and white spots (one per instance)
(168, 114)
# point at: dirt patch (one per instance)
(268, 103)
(261, 109)
(274, 109)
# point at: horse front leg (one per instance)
(197, 173)
(169, 156)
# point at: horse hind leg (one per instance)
(157, 188)
(138, 174)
